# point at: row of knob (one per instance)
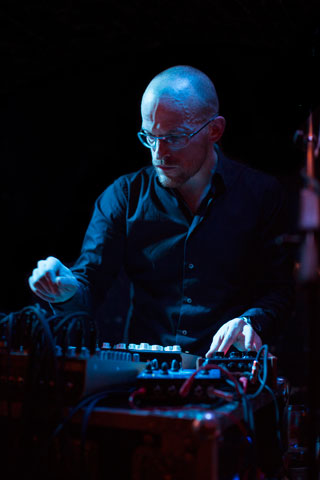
(164, 391)
(248, 354)
(154, 365)
(142, 346)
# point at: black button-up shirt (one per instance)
(190, 273)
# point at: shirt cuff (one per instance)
(256, 327)
(78, 303)
(262, 321)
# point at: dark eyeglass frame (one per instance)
(167, 138)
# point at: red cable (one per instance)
(137, 393)
(185, 389)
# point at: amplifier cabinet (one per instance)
(182, 443)
(190, 442)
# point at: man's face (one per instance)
(168, 116)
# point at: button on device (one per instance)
(184, 332)
(190, 266)
(189, 300)
(176, 348)
(71, 352)
(157, 348)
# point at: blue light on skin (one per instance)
(209, 416)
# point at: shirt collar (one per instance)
(228, 170)
(224, 175)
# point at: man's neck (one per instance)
(196, 188)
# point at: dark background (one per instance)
(72, 77)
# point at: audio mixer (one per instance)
(167, 382)
(80, 372)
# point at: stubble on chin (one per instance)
(171, 182)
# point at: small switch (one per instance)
(176, 348)
(175, 366)
(164, 368)
(157, 348)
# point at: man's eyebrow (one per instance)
(176, 131)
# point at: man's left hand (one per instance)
(235, 332)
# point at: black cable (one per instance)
(75, 409)
(8, 364)
(42, 369)
(263, 381)
(65, 327)
(86, 417)
(277, 416)
(68, 317)
(39, 331)
(32, 330)
(79, 334)
(248, 418)
(246, 404)
(246, 408)
(56, 436)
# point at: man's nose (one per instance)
(161, 148)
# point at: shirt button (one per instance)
(184, 332)
(190, 266)
(189, 300)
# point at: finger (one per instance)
(230, 337)
(44, 296)
(248, 333)
(227, 342)
(46, 275)
(66, 283)
(38, 288)
(46, 282)
(39, 275)
(214, 345)
(35, 281)
(50, 278)
(257, 342)
(54, 265)
(31, 282)
(41, 283)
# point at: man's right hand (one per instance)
(52, 281)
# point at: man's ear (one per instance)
(217, 128)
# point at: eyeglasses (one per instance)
(175, 142)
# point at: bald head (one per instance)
(190, 88)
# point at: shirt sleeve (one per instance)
(102, 250)
(274, 290)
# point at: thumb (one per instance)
(68, 282)
(248, 337)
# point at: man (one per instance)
(195, 233)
